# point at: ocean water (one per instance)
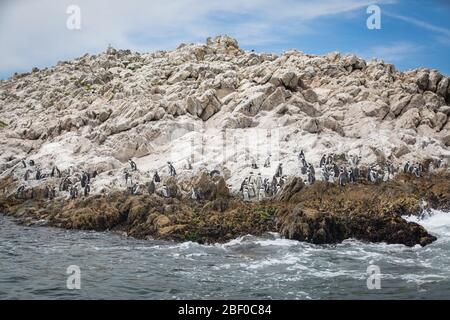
(34, 261)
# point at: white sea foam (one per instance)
(437, 222)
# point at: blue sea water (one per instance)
(34, 261)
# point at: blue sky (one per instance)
(414, 33)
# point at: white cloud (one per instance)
(420, 23)
(34, 33)
(442, 35)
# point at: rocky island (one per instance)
(209, 142)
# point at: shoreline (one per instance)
(321, 213)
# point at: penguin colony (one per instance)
(77, 184)
(332, 170)
(255, 187)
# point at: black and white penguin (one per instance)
(351, 175)
(323, 161)
(135, 188)
(127, 176)
(245, 194)
(311, 167)
(165, 191)
(151, 187)
(261, 194)
(172, 171)
(26, 176)
(194, 195)
(324, 173)
(330, 159)
(87, 189)
(258, 181)
(369, 169)
(279, 171)
(83, 179)
(373, 176)
(31, 162)
(416, 171)
(311, 178)
(38, 174)
(156, 177)
(301, 156)
(23, 163)
(132, 165)
(342, 177)
(273, 185)
(243, 184)
(406, 167)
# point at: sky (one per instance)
(413, 33)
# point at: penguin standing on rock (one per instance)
(27, 175)
(165, 191)
(330, 159)
(135, 188)
(87, 189)
(342, 177)
(323, 161)
(301, 156)
(127, 176)
(23, 163)
(406, 167)
(245, 194)
(83, 179)
(273, 185)
(279, 171)
(261, 194)
(151, 187)
(194, 195)
(372, 175)
(38, 174)
(172, 171)
(132, 165)
(324, 173)
(332, 176)
(243, 184)
(351, 175)
(156, 177)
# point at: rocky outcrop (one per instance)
(117, 105)
(326, 213)
(214, 107)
